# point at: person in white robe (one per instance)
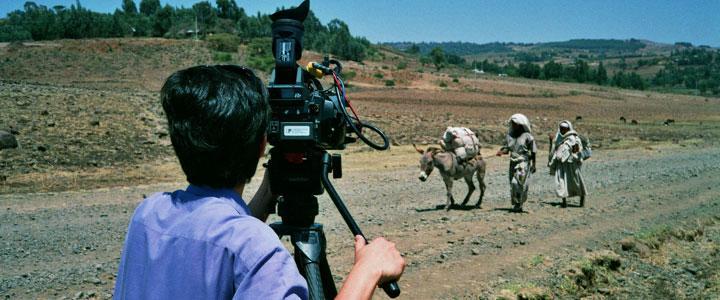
(565, 163)
(521, 146)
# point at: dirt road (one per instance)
(68, 244)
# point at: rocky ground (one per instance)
(67, 244)
(82, 140)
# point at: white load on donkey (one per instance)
(462, 141)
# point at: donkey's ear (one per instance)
(421, 151)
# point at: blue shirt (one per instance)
(202, 243)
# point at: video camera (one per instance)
(306, 121)
(305, 117)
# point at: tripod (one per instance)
(298, 213)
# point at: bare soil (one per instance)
(93, 143)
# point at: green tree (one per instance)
(636, 82)
(601, 76)
(455, 60)
(228, 9)
(149, 7)
(582, 71)
(163, 20)
(315, 32)
(128, 6)
(552, 70)
(11, 33)
(342, 43)
(529, 70)
(205, 14)
(413, 49)
(620, 80)
(438, 57)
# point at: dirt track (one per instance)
(87, 117)
(62, 244)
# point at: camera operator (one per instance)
(204, 242)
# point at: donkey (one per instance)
(451, 170)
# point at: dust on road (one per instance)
(68, 243)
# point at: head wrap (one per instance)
(521, 120)
(568, 125)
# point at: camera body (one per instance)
(302, 116)
(305, 120)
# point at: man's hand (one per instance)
(576, 148)
(375, 263)
(381, 257)
(500, 153)
(263, 203)
(532, 169)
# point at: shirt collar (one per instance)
(228, 193)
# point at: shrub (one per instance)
(11, 33)
(223, 42)
(390, 82)
(222, 56)
(402, 65)
(443, 84)
(378, 75)
(348, 75)
(456, 80)
(258, 54)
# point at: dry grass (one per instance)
(54, 92)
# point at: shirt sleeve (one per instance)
(506, 144)
(531, 144)
(273, 275)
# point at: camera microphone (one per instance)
(318, 70)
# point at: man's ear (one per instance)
(262, 146)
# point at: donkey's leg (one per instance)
(481, 182)
(448, 185)
(471, 188)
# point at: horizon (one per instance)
(544, 21)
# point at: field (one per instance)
(92, 141)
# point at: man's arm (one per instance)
(533, 153)
(375, 263)
(504, 148)
(532, 165)
(262, 203)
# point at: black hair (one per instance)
(217, 118)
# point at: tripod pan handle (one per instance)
(391, 289)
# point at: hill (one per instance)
(92, 142)
(456, 48)
(86, 112)
(633, 63)
(631, 46)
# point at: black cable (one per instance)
(361, 136)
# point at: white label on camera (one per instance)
(296, 130)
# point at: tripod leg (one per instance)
(327, 279)
(311, 272)
(312, 263)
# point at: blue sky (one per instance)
(666, 21)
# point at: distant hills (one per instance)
(585, 45)
(457, 48)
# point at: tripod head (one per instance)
(306, 121)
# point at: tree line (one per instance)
(691, 69)
(695, 69)
(151, 19)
